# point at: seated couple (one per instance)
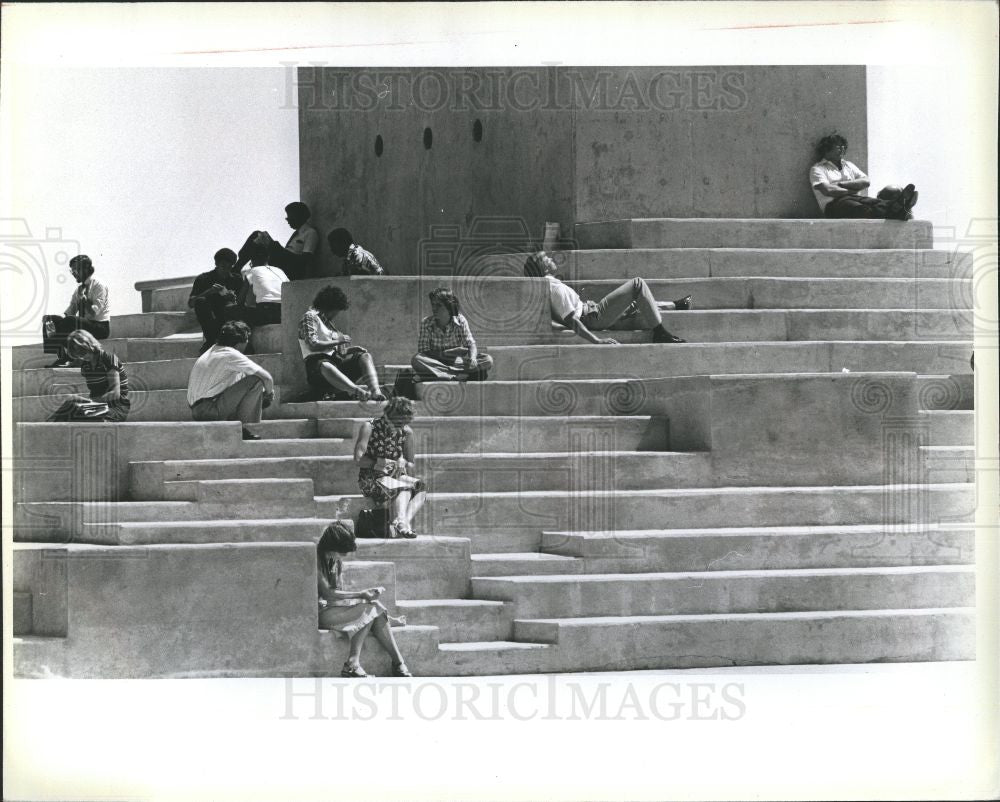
(630, 307)
(222, 294)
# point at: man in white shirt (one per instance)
(225, 385)
(263, 283)
(88, 310)
(841, 187)
(631, 306)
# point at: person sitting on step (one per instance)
(334, 367)
(353, 613)
(384, 453)
(841, 188)
(356, 260)
(88, 310)
(298, 256)
(212, 294)
(107, 382)
(262, 283)
(225, 385)
(629, 307)
(446, 349)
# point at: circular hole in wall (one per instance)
(428, 138)
(379, 145)
(477, 131)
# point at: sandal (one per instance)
(399, 529)
(400, 670)
(353, 672)
(396, 620)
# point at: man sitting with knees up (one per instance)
(226, 385)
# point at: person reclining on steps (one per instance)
(630, 307)
(356, 260)
(88, 310)
(107, 382)
(298, 256)
(841, 188)
(225, 385)
(262, 285)
(384, 453)
(353, 613)
(333, 366)
(212, 294)
(446, 349)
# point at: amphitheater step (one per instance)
(787, 325)
(297, 429)
(449, 434)
(675, 232)
(459, 619)
(525, 564)
(692, 359)
(755, 548)
(771, 591)
(679, 262)
(707, 641)
(952, 427)
(946, 392)
(248, 492)
(22, 613)
(152, 324)
(949, 463)
(805, 293)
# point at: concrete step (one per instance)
(755, 548)
(695, 592)
(466, 473)
(945, 392)
(952, 427)
(22, 625)
(778, 262)
(248, 492)
(297, 429)
(949, 463)
(524, 434)
(153, 324)
(167, 374)
(692, 359)
(676, 232)
(147, 287)
(525, 564)
(804, 293)
(513, 522)
(611, 643)
(779, 325)
(460, 620)
(39, 656)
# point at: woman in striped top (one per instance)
(104, 373)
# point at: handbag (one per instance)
(372, 523)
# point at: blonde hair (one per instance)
(79, 343)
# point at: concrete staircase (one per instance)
(792, 486)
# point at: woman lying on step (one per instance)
(353, 613)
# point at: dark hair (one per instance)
(330, 299)
(533, 265)
(84, 264)
(233, 333)
(445, 298)
(337, 537)
(828, 142)
(340, 240)
(298, 209)
(399, 406)
(225, 256)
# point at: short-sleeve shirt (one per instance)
(90, 301)
(215, 370)
(206, 280)
(433, 339)
(96, 377)
(303, 240)
(826, 172)
(563, 300)
(266, 282)
(360, 262)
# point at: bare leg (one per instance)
(399, 504)
(383, 634)
(357, 641)
(337, 380)
(413, 507)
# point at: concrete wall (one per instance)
(559, 144)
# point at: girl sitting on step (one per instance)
(353, 613)
(384, 453)
(107, 382)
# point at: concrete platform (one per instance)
(707, 232)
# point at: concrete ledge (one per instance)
(676, 232)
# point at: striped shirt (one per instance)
(96, 376)
(433, 339)
(360, 262)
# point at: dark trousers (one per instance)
(259, 315)
(861, 206)
(55, 328)
(212, 313)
